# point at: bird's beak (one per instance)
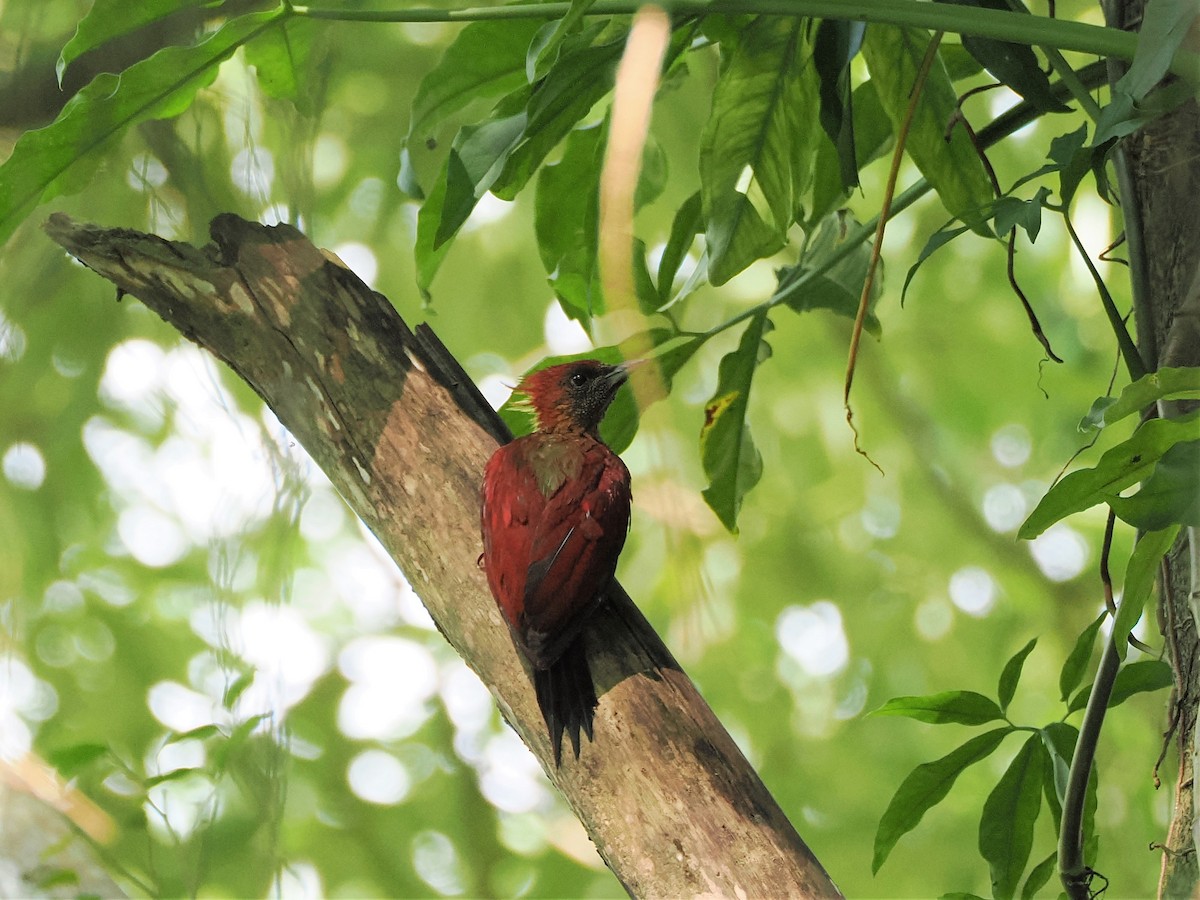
(621, 372)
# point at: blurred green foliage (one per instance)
(201, 636)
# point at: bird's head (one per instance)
(572, 396)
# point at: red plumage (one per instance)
(555, 516)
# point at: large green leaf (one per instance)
(1125, 464)
(837, 43)
(108, 19)
(282, 59)
(1139, 582)
(566, 215)
(961, 707)
(872, 137)
(1009, 815)
(1166, 384)
(1015, 65)
(731, 461)
(760, 124)
(43, 161)
(952, 166)
(839, 285)
(1171, 495)
(486, 60)
(925, 787)
(688, 223)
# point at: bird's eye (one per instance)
(579, 379)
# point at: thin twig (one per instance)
(877, 246)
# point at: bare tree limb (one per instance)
(673, 806)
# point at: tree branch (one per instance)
(671, 803)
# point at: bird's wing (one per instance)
(573, 554)
(512, 507)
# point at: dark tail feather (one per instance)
(567, 697)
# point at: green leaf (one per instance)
(1013, 212)
(108, 19)
(1058, 740)
(1123, 465)
(1164, 27)
(688, 223)
(200, 733)
(1171, 495)
(872, 138)
(937, 240)
(1011, 674)
(476, 159)
(566, 221)
(230, 698)
(486, 59)
(578, 79)
(160, 87)
(282, 59)
(1181, 383)
(731, 461)
(837, 43)
(543, 49)
(1039, 876)
(429, 257)
(925, 787)
(1079, 657)
(1140, 677)
(1015, 65)
(762, 105)
(894, 57)
(70, 761)
(961, 707)
(839, 287)
(1009, 815)
(173, 775)
(1139, 582)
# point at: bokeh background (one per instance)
(199, 632)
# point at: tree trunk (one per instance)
(1161, 184)
(672, 805)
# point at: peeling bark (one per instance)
(672, 805)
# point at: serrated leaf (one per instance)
(961, 707)
(1079, 657)
(762, 106)
(1015, 65)
(1125, 464)
(894, 56)
(731, 462)
(1170, 496)
(1182, 383)
(1009, 815)
(925, 787)
(69, 761)
(42, 162)
(282, 59)
(1011, 674)
(688, 223)
(108, 19)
